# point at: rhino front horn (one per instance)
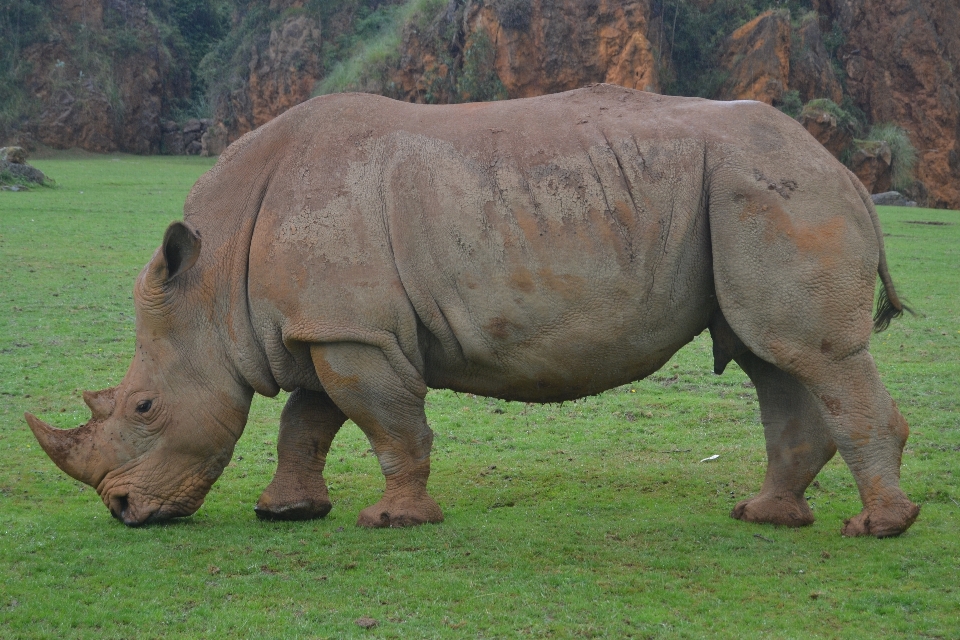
(75, 451)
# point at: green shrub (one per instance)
(902, 152)
(370, 50)
(844, 119)
(362, 57)
(226, 65)
(195, 27)
(791, 104)
(478, 80)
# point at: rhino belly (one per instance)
(555, 352)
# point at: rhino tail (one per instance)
(889, 305)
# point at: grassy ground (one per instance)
(587, 519)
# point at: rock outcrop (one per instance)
(15, 173)
(214, 140)
(836, 136)
(872, 161)
(186, 138)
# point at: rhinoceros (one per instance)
(356, 251)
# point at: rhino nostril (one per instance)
(118, 506)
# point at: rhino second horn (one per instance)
(101, 402)
(75, 451)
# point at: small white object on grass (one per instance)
(709, 458)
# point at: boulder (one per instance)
(14, 170)
(15, 155)
(172, 143)
(872, 161)
(892, 199)
(193, 125)
(917, 192)
(214, 140)
(191, 133)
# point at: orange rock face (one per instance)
(758, 59)
(901, 59)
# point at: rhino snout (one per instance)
(122, 510)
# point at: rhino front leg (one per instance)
(798, 446)
(308, 424)
(388, 405)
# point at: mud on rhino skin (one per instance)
(357, 251)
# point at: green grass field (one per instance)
(587, 519)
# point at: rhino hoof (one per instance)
(401, 513)
(306, 510)
(783, 510)
(881, 523)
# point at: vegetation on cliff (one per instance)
(692, 35)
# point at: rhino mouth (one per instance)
(134, 513)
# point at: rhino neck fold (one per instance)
(229, 244)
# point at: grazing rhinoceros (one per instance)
(357, 251)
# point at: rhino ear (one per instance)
(180, 249)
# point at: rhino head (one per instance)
(157, 442)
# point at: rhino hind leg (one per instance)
(388, 406)
(870, 433)
(308, 424)
(798, 446)
(858, 416)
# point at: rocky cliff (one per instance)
(102, 78)
(900, 61)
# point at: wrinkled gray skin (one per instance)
(357, 250)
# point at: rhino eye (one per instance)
(144, 405)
